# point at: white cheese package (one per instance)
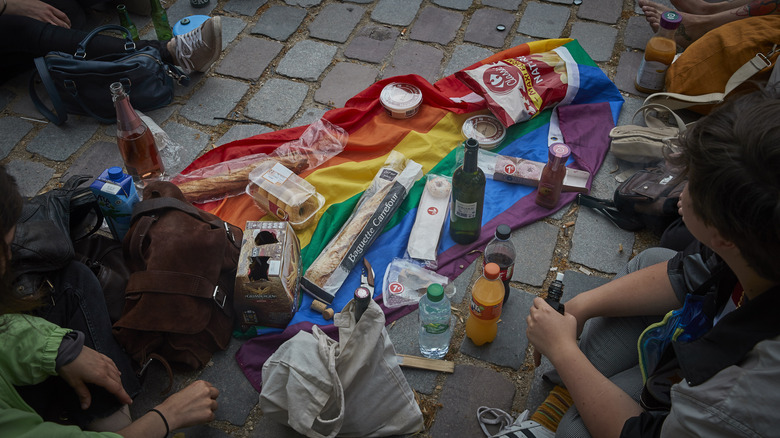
(429, 222)
(517, 89)
(406, 282)
(374, 210)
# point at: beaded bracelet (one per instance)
(5, 5)
(167, 429)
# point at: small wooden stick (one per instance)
(424, 363)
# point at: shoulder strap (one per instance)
(679, 101)
(60, 115)
(151, 205)
(607, 208)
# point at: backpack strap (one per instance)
(149, 206)
(607, 208)
(175, 283)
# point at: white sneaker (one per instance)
(197, 49)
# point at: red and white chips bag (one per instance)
(517, 89)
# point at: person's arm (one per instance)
(603, 406)
(37, 10)
(644, 292)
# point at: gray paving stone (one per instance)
(308, 117)
(597, 39)
(460, 5)
(345, 80)
(508, 349)
(189, 142)
(575, 283)
(231, 27)
(249, 58)
(277, 101)
(543, 20)
(436, 25)
(396, 12)
(225, 374)
(462, 282)
(405, 337)
(637, 33)
(13, 129)
(596, 243)
(25, 107)
(561, 2)
(415, 58)
(279, 22)
(182, 8)
(242, 131)
(372, 43)
(6, 96)
(604, 183)
(306, 60)
(630, 106)
(509, 5)
(626, 72)
(216, 98)
(522, 39)
(360, 1)
(156, 379)
(468, 388)
(267, 427)
(244, 7)
(304, 3)
(335, 22)
(184, 90)
(534, 244)
(30, 176)
(97, 158)
(666, 3)
(482, 27)
(605, 11)
(58, 143)
(464, 56)
(202, 431)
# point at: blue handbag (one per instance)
(77, 85)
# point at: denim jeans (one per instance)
(77, 303)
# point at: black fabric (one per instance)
(644, 425)
(676, 236)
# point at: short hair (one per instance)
(732, 158)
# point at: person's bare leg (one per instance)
(703, 7)
(693, 26)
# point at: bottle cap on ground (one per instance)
(670, 20)
(435, 292)
(559, 276)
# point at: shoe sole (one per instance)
(217, 24)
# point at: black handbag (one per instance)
(77, 85)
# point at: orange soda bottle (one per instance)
(487, 298)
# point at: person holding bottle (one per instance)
(716, 378)
(61, 371)
(33, 28)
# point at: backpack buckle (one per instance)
(219, 297)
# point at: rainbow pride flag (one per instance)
(430, 138)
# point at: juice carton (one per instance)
(116, 195)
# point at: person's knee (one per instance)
(648, 257)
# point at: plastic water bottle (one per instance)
(435, 330)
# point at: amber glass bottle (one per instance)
(551, 181)
(135, 140)
(659, 54)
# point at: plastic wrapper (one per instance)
(406, 282)
(517, 89)
(428, 224)
(283, 194)
(320, 142)
(374, 210)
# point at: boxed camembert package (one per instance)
(269, 272)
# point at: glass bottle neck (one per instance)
(470, 160)
(126, 117)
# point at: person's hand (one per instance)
(679, 205)
(548, 331)
(96, 368)
(193, 405)
(38, 10)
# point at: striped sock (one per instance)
(551, 411)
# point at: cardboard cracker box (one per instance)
(268, 276)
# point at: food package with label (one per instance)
(406, 281)
(526, 172)
(268, 275)
(428, 224)
(374, 210)
(285, 195)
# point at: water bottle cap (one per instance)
(492, 270)
(435, 292)
(670, 20)
(503, 232)
(115, 173)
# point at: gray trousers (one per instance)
(611, 346)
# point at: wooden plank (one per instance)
(424, 363)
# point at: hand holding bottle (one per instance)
(550, 333)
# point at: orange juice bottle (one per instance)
(659, 54)
(487, 297)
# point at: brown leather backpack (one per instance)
(178, 300)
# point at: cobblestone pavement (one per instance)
(284, 64)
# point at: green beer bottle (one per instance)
(468, 197)
(126, 22)
(160, 20)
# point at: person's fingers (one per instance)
(85, 398)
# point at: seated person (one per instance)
(33, 28)
(40, 358)
(722, 381)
